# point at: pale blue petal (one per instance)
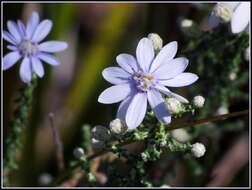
(26, 70)
(183, 79)
(123, 107)
(50, 59)
(136, 110)
(9, 38)
(32, 24)
(145, 54)
(166, 54)
(241, 17)
(42, 30)
(115, 93)
(12, 48)
(52, 46)
(37, 66)
(10, 59)
(213, 21)
(127, 62)
(167, 92)
(13, 29)
(115, 75)
(171, 69)
(21, 28)
(159, 107)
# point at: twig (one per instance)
(171, 127)
(58, 144)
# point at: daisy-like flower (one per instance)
(25, 44)
(139, 80)
(238, 13)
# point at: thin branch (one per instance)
(58, 144)
(169, 128)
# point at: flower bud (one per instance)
(97, 144)
(186, 23)
(180, 135)
(232, 76)
(198, 150)
(223, 11)
(173, 105)
(198, 101)
(45, 179)
(101, 133)
(222, 110)
(78, 152)
(156, 40)
(165, 186)
(117, 126)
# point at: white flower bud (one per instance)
(222, 110)
(232, 76)
(198, 101)
(101, 133)
(173, 105)
(78, 152)
(223, 11)
(247, 54)
(180, 135)
(45, 179)
(156, 40)
(186, 23)
(198, 150)
(144, 157)
(117, 126)
(97, 144)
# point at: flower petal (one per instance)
(115, 94)
(145, 54)
(37, 67)
(167, 92)
(42, 30)
(21, 28)
(13, 29)
(183, 79)
(10, 59)
(213, 21)
(171, 69)
(241, 17)
(32, 24)
(52, 46)
(159, 107)
(122, 110)
(48, 58)
(166, 54)
(115, 75)
(127, 62)
(9, 38)
(136, 110)
(12, 48)
(26, 70)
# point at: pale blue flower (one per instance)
(139, 80)
(25, 45)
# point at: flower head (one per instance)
(141, 80)
(238, 13)
(25, 44)
(198, 101)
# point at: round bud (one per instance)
(78, 152)
(101, 133)
(173, 105)
(180, 135)
(156, 41)
(97, 144)
(117, 126)
(198, 101)
(223, 11)
(186, 23)
(198, 150)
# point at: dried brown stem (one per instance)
(58, 144)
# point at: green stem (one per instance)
(13, 142)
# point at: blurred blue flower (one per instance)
(142, 80)
(25, 44)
